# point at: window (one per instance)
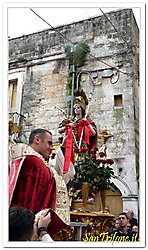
(118, 100)
(12, 94)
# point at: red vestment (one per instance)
(32, 184)
(35, 188)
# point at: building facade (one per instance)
(38, 76)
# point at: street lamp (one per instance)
(84, 72)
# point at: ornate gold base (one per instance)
(97, 223)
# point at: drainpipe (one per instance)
(73, 81)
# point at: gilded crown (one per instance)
(81, 98)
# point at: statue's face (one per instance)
(78, 109)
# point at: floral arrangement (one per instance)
(94, 168)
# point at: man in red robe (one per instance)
(32, 183)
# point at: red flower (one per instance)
(93, 155)
(83, 150)
(76, 150)
(102, 154)
(103, 160)
(110, 161)
(94, 149)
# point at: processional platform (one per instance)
(85, 225)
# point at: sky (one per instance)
(22, 21)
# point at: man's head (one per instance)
(21, 224)
(135, 229)
(123, 220)
(129, 225)
(41, 141)
(116, 224)
(130, 214)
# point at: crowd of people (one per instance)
(38, 196)
(24, 225)
(126, 227)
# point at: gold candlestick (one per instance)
(104, 135)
